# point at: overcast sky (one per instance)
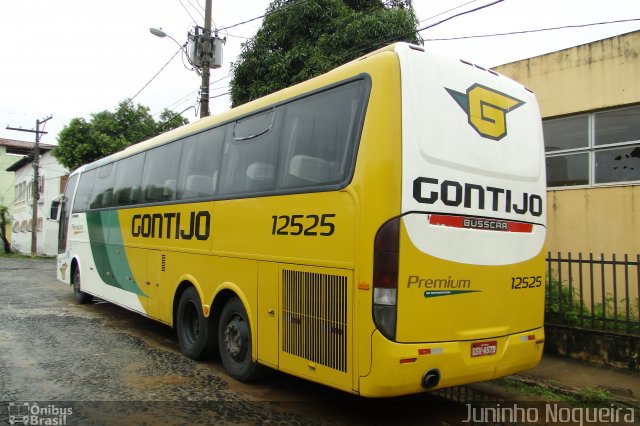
(71, 58)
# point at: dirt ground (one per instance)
(64, 363)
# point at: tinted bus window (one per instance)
(249, 159)
(160, 174)
(200, 164)
(126, 190)
(319, 137)
(102, 194)
(83, 194)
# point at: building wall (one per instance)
(6, 182)
(602, 220)
(589, 77)
(592, 76)
(47, 237)
(6, 178)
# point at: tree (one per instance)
(300, 39)
(83, 141)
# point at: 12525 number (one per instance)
(309, 225)
(518, 283)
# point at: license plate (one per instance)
(484, 348)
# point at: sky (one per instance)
(72, 58)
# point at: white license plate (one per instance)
(484, 348)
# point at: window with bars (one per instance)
(593, 149)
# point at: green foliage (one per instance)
(562, 304)
(83, 141)
(553, 391)
(594, 396)
(563, 307)
(299, 40)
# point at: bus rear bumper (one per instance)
(400, 369)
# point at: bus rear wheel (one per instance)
(234, 339)
(80, 296)
(192, 327)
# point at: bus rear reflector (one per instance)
(385, 277)
(481, 223)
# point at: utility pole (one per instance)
(36, 181)
(206, 61)
(205, 53)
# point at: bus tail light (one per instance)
(385, 278)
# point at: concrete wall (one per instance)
(6, 178)
(602, 74)
(617, 350)
(594, 220)
(592, 76)
(6, 183)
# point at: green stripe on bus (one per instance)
(108, 251)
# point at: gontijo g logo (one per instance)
(486, 109)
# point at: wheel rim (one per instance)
(191, 322)
(235, 338)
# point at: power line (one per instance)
(458, 14)
(199, 5)
(187, 96)
(382, 40)
(447, 11)
(243, 22)
(196, 9)
(236, 36)
(219, 96)
(153, 78)
(280, 9)
(533, 31)
(186, 10)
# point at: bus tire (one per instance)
(80, 296)
(192, 327)
(234, 340)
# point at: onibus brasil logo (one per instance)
(26, 413)
(486, 109)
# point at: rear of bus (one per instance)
(458, 280)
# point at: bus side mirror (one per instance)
(55, 209)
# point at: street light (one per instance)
(205, 53)
(159, 32)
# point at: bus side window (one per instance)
(200, 164)
(127, 178)
(250, 154)
(102, 193)
(83, 198)
(160, 173)
(319, 137)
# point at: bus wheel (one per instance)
(234, 339)
(80, 296)
(192, 326)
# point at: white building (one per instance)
(53, 177)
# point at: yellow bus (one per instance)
(378, 229)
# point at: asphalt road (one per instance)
(64, 363)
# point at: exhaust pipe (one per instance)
(431, 378)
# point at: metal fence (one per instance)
(597, 293)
